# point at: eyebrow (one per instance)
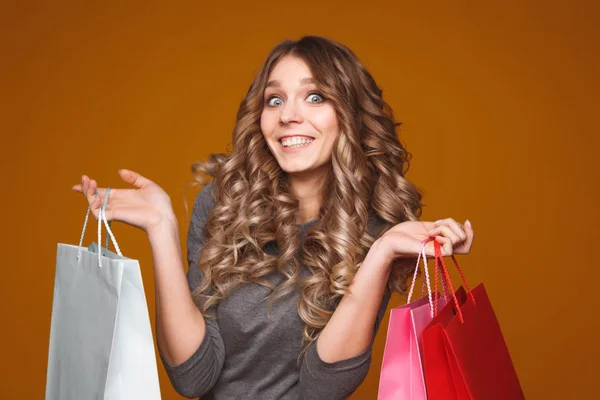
(303, 81)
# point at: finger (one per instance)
(465, 247)
(99, 200)
(112, 195)
(134, 178)
(90, 193)
(447, 232)
(111, 205)
(95, 207)
(84, 185)
(469, 229)
(446, 247)
(455, 226)
(109, 212)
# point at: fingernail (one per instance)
(119, 171)
(468, 223)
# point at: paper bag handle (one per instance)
(101, 218)
(435, 285)
(439, 258)
(422, 255)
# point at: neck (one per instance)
(308, 192)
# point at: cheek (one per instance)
(266, 124)
(326, 121)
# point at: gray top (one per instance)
(245, 355)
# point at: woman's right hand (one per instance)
(145, 206)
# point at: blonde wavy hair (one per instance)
(254, 205)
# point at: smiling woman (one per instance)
(296, 245)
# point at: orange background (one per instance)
(499, 103)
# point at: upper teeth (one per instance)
(295, 141)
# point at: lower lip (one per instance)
(294, 149)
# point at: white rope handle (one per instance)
(107, 225)
(423, 255)
(101, 218)
(110, 233)
(87, 216)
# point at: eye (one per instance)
(274, 101)
(315, 98)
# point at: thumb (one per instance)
(133, 178)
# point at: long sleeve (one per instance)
(198, 374)
(338, 380)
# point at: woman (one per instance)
(296, 245)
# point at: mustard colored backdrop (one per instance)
(499, 102)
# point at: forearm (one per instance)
(180, 326)
(351, 327)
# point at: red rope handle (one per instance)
(435, 276)
(444, 285)
(464, 279)
(438, 254)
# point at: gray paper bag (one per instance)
(101, 344)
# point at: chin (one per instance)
(303, 168)
(295, 169)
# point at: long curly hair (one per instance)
(254, 205)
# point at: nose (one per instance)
(290, 113)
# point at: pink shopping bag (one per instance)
(402, 369)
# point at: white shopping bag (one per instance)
(101, 344)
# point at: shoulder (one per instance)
(204, 200)
(203, 205)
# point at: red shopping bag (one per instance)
(464, 353)
(401, 375)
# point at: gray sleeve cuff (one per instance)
(337, 380)
(199, 373)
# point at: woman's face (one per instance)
(298, 123)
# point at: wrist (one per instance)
(380, 253)
(373, 273)
(165, 226)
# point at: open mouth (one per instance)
(294, 142)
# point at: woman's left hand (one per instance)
(405, 239)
